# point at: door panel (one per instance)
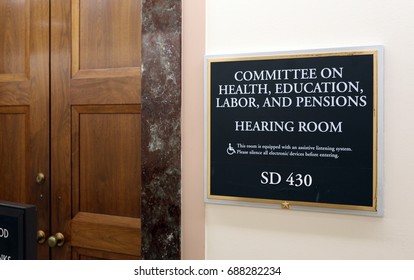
(24, 106)
(95, 127)
(101, 164)
(114, 43)
(14, 125)
(105, 236)
(14, 38)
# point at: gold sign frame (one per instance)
(377, 143)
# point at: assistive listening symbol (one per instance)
(230, 150)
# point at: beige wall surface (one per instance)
(193, 46)
(246, 26)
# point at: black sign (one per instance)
(17, 231)
(297, 129)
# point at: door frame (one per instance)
(161, 129)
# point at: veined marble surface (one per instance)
(161, 138)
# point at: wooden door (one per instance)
(24, 106)
(70, 108)
(96, 128)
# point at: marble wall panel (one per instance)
(161, 137)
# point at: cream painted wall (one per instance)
(243, 26)
(193, 48)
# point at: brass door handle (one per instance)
(56, 240)
(41, 237)
(40, 178)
